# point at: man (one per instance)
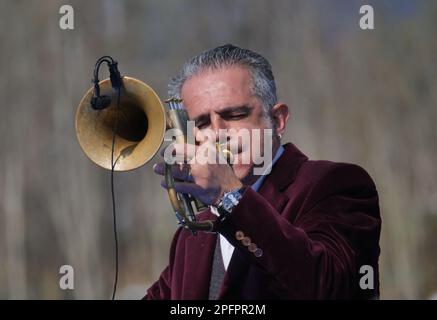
(302, 231)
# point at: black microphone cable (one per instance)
(114, 215)
(99, 102)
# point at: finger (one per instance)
(182, 172)
(158, 168)
(185, 187)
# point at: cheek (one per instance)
(254, 146)
(251, 148)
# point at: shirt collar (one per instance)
(261, 179)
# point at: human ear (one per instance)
(280, 115)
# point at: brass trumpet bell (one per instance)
(141, 125)
(128, 113)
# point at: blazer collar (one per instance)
(285, 169)
(282, 175)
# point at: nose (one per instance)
(218, 125)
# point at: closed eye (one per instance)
(235, 113)
(227, 114)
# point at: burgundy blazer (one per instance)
(316, 222)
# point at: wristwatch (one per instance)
(229, 200)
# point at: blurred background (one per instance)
(366, 97)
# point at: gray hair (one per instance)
(263, 81)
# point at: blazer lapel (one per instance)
(282, 175)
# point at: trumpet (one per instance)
(120, 126)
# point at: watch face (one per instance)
(231, 199)
(228, 207)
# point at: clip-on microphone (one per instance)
(100, 102)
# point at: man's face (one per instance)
(222, 99)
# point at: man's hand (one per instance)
(204, 173)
